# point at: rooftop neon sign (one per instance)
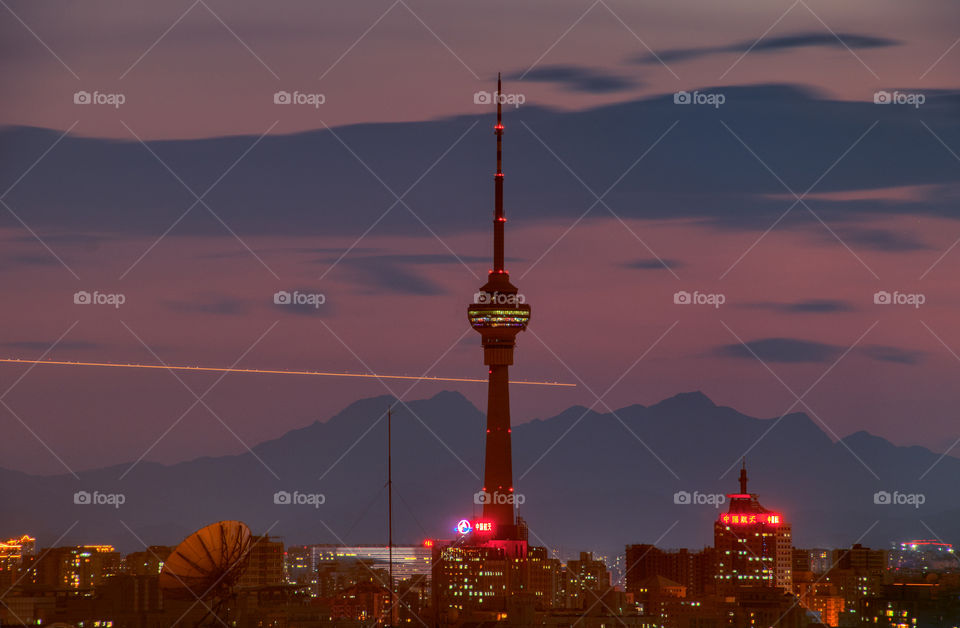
(750, 518)
(465, 526)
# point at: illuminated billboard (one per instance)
(751, 518)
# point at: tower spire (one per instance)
(743, 477)
(498, 218)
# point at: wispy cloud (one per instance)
(578, 79)
(771, 44)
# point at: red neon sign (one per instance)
(483, 526)
(750, 518)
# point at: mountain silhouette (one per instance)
(590, 480)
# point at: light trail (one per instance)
(268, 371)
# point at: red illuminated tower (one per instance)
(498, 313)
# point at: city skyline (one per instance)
(314, 202)
(239, 386)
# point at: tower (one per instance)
(498, 313)
(754, 545)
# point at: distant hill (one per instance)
(588, 481)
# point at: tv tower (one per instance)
(498, 313)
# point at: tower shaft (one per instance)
(498, 463)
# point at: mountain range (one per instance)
(589, 481)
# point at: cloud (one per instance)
(772, 44)
(652, 263)
(396, 273)
(808, 306)
(226, 306)
(788, 350)
(881, 240)
(39, 259)
(44, 345)
(793, 351)
(576, 78)
(893, 354)
(311, 189)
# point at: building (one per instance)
(924, 556)
(472, 581)
(694, 570)
(819, 595)
(545, 579)
(265, 566)
(78, 567)
(148, 562)
(915, 604)
(408, 560)
(860, 558)
(299, 568)
(587, 579)
(754, 545)
(660, 598)
(12, 553)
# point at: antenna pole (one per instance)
(498, 218)
(390, 503)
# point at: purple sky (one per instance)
(801, 295)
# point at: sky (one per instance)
(784, 197)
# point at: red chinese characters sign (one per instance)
(749, 518)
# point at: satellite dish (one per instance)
(207, 565)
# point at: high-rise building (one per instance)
(73, 567)
(754, 545)
(545, 578)
(12, 553)
(694, 570)
(587, 579)
(265, 566)
(856, 573)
